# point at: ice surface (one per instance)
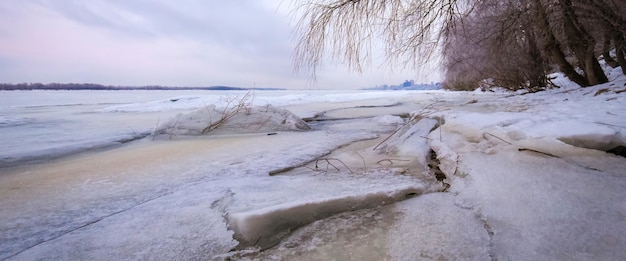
(43, 125)
(538, 197)
(519, 189)
(168, 189)
(354, 235)
(389, 119)
(10, 120)
(433, 227)
(49, 152)
(260, 98)
(52, 204)
(427, 227)
(266, 227)
(528, 174)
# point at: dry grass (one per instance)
(418, 116)
(389, 161)
(233, 107)
(329, 163)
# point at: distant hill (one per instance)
(92, 86)
(408, 85)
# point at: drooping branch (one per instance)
(410, 31)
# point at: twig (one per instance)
(419, 113)
(456, 167)
(155, 129)
(389, 137)
(363, 159)
(416, 116)
(174, 127)
(597, 122)
(540, 152)
(446, 186)
(230, 112)
(288, 168)
(440, 131)
(208, 113)
(311, 168)
(389, 160)
(487, 133)
(329, 163)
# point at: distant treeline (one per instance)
(93, 86)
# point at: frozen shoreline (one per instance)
(522, 186)
(50, 202)
(39, 126)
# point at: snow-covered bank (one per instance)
(534, 169)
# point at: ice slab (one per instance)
(544, 208)
(265, 228)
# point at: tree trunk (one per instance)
(595, 73)
(606, 52)
(606, 13)
(583, 45)
(620, 51)
(553, 48)
(621, 59)
(614, 26)
(538, 79)
(567, 69)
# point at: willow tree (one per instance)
(513, 43)
(410, 31)
(496, 45)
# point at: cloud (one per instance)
(141, 42)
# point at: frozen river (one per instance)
(40, 125)
(378, 176)
(187, 183)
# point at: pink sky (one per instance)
(160, 42)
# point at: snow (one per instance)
(528, 175)
(232, 120)
(539, 177)
(10, 120)
(388, 119)
(259, 98)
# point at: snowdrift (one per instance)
(233, 120)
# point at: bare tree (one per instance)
(582, 43)
(510, 43)
(496, 45)
(607, 20)
(410, 30)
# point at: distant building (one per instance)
(408, 85)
